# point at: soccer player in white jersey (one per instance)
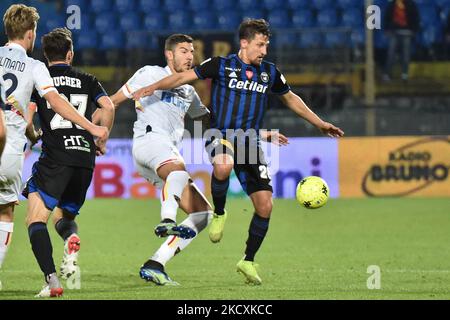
(158, 132)
(19, 75)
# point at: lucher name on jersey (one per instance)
(67, 81)
(247, 85)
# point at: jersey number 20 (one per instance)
(79, 101)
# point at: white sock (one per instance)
(197, 221)
(6, 229)
(173, 189)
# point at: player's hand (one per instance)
(331, 130)
(100, 147)
(100, 132)
(275, 137)
(143, 92)
(35, 137)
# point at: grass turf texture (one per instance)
(308, 254)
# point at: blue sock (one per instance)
(256, 233)
(219, 190)
(42, 247)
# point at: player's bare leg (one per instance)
(67, 228)
(176, 178)
(220, 181)
(36, 221)
(6, 229)
(194, 203)
(262, 202)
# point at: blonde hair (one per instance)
(18, 19)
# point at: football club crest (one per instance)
(249, 74)
(264, 77)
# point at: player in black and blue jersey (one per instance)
(240, 87)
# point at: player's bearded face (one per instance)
(257, 49)
(183, 56)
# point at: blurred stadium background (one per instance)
(396, 144)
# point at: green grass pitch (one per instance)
(308, 254)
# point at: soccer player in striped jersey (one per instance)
(240, 86)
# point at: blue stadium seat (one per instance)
(336, 40)
(87, 40)
(174, 5)
(279, 19)
(155, 21)
(428, 15)
(46, 10)
(179, 21)
(380, 39)
(112, 40)
(198, 5)
(101, 6)
(58, 21)
(358, 37)
(249, 5)
(221, 5)
(253, 14)
(347, 4)
(430, 36)
(327, 18)
(105, 22)
(274, 4)
(381, 3)
(204, 21)
(284, 40)
(442, 3)
(228, 20)
(299, 4)
(310, 40)
(148, 6)
(324, 4)
(126, 6)
(141, 39)
(352, 17)
(130, 22)
(303, 19)
(83, 4)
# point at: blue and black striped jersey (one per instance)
(239, 91)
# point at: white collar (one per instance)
(167, 68)
(17, 46)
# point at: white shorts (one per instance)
(10, 175)
(150, 152)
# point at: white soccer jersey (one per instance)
(163, 111)
(19, 75)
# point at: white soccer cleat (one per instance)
(69, 266)
(52, 289)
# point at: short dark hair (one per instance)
(57, 43)
(175, 39)
(249, 28)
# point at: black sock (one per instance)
(65, 227)
(42, 247)
(219, 190)
(256, 233)
(154, 265)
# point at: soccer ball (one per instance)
(312, 192)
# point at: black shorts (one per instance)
(60, 186)
(250, 165)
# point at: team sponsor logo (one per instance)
(247, 85)
(264, 77)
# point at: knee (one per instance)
(222, 171)
(264, 209)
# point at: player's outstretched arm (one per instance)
(274, 137)
(118, 98)
(173, 81)
(67, 111)
(296, 104)
(106, 118)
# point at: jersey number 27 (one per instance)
(79, 101)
